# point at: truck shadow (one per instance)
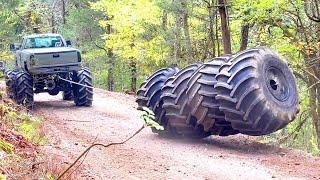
(56, 104)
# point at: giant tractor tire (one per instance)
(178, 120)
(150, 92)
(83, 95)
(257, 92)
(24, 89)
(201, 99)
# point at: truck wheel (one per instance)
(67, 95)
(150, 90)
(257, 92)
(24, 89)
(83, 96)
(177, 111)
(201, 98)
(10, 83)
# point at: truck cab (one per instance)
(46, 54)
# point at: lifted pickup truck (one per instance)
(47, 63)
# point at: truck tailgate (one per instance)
(55, 59)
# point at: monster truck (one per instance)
(47, 63)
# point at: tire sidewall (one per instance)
(265, 62)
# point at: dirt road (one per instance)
(113, 117)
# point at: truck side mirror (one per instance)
(12, 47)
(68, 43)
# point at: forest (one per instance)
(125, 41)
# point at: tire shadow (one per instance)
(236, 143)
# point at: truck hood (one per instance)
(49, 50)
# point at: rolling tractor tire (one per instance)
(149, 92)
(201, 98)
(257, 92)
(179, 121)
(24, 89)
(83, 95)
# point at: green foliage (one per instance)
(148, 117)
(29, 127)
(6, 147)
(22, 122)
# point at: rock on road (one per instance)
(113, 117)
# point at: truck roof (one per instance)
(41, 35)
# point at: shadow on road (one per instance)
(237, 143)
(56, 104)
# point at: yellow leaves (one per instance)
(33, 17)
(6, 147)
(127, 22)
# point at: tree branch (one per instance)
(95, 43)
(98, 144)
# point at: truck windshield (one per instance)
(44, 42)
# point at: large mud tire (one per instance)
(83, 95)
(201, 98)
(10, 78)
(257, 92)
(67, 95)
(177, 117)
(149, 92)
(24, 89)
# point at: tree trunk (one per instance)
(52, 24)
(212, 14)
(164, 20)
(187, 39)
(63, 11)
(133, 66)
(225, 26)
(315, 112)
(244, 37)
(111, 63)
(217, 32)
(177, 39)
(315, 92)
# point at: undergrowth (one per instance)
(20, 134)
(27, 125)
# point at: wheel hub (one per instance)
(277, 84)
